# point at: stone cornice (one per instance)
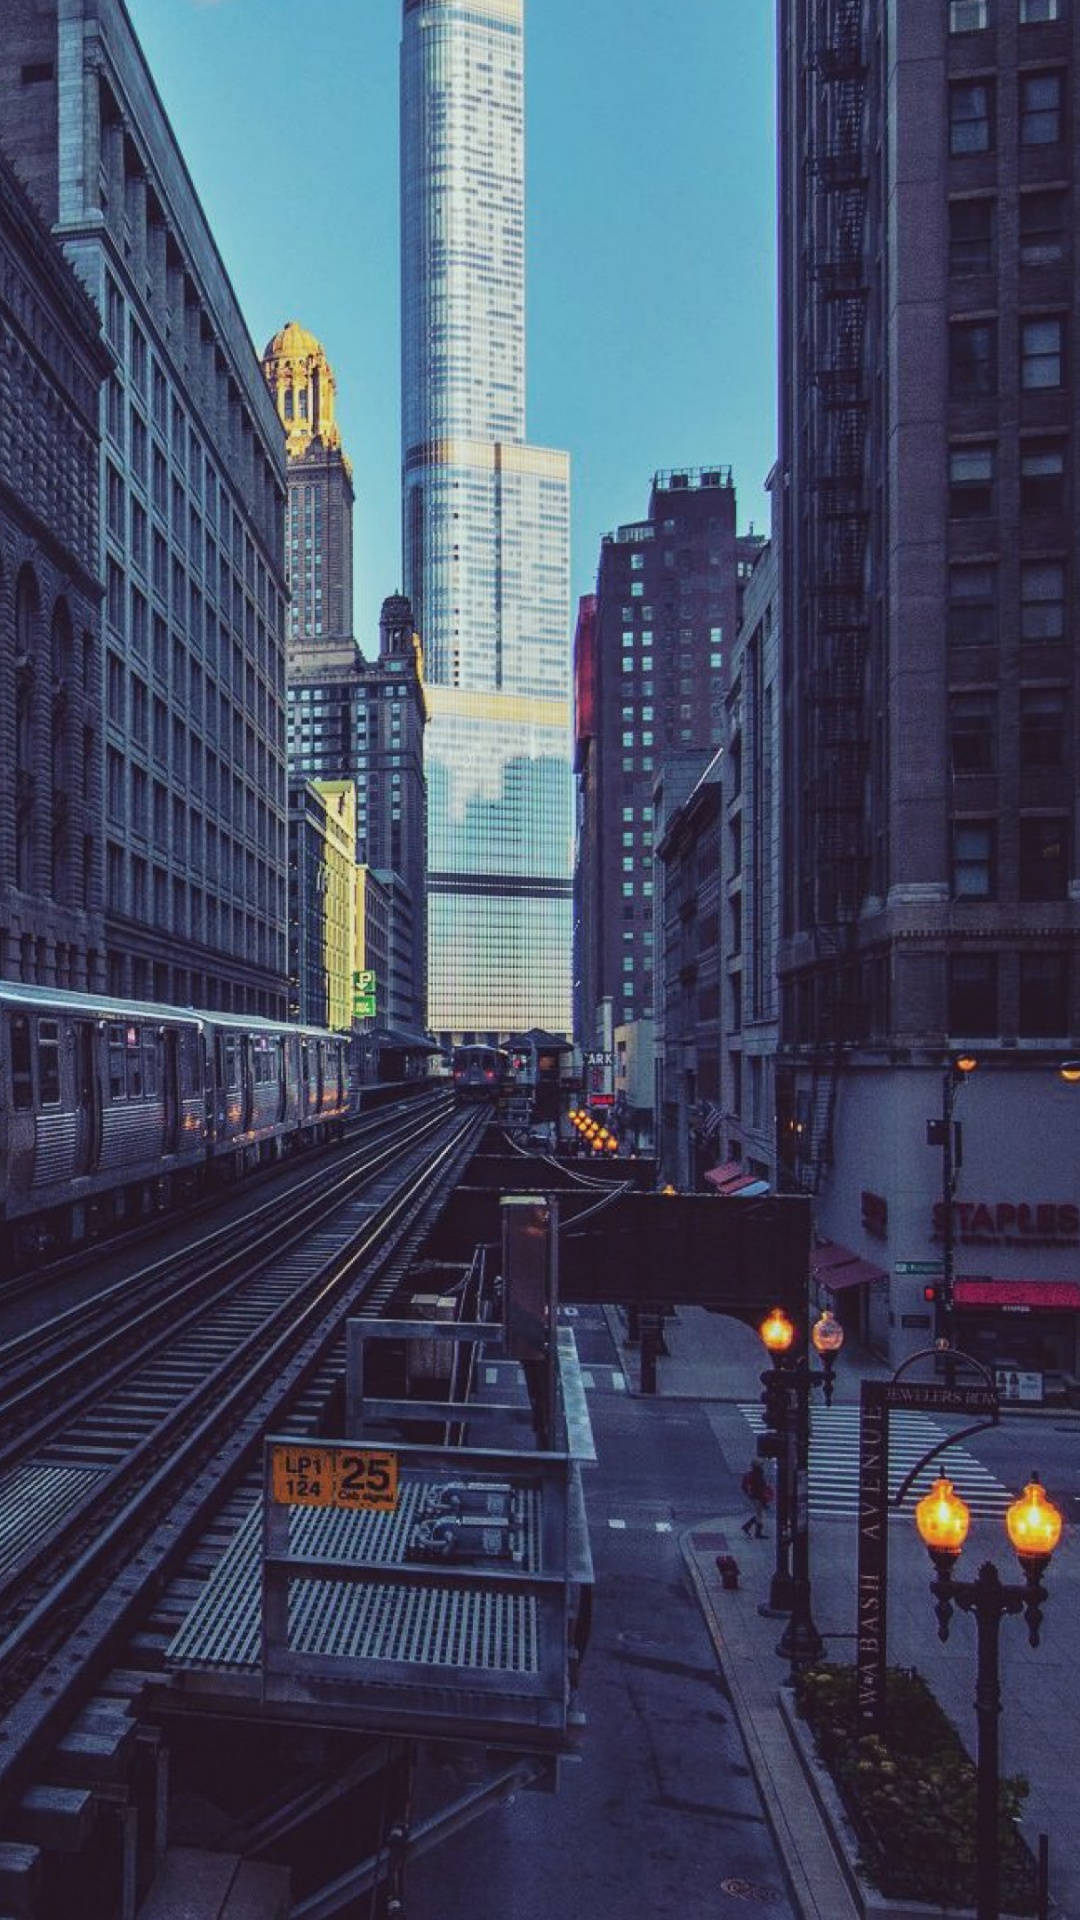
(28, 226)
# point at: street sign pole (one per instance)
(877, 1398)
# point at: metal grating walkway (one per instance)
(33, 1499)
(467, 1630)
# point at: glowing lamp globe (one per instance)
(827, 1334)
(777, 1331)
(1033, 1523)
(942, 1518)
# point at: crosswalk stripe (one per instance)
(834, 1462)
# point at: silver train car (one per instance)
(479, 1072)
(112, 1108)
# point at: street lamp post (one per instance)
(791, 1385)
(1034, 1528)
(777, 1332)
(944, 1133)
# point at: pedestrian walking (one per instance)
(759, 1493)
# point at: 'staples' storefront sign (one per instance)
(1010, 1223)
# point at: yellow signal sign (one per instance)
(307, 1475)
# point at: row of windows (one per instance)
(973, 113)
(973, 356)
(1042, 990)
(1042, 233)
(1043, 871)
(973, 478)
(973, 730)
(973, 613)
(969, 16)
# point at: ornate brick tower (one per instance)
(318, 529)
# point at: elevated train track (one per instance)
(123, 1436)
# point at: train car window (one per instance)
(134, 1064)
(22, 1081)
(117, 1079)
(49, 1062)
(228, 1060)
(151, 1076)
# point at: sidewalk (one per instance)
(716, 1361)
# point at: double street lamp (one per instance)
(1034, 1528)
(788, 1384)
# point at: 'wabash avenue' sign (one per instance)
(876, 1399)
(306, 1475)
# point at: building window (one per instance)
(971, 236)
(972, 725)
(1042, 352)
(1033, 10)
(1044, 995)
(973, 606)
(971, 128)
(1044, 861)
(1041, 109)
(971, 481)
(1042, 727)
(1042, 600)
(1042, 476)
(972, 359)
(973, 860)
(1042, 228)
(973, 993)
(967, 16)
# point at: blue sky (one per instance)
(649, 218)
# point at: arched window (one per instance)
(26, 626)
(61, 734)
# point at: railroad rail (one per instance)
(131, 1464)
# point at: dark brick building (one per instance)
(650, 677)
(52, 364)
(190, 694)
(930, 512)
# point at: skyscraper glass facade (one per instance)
(486, 533)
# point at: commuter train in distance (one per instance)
(479, 1072)
(111, 1109)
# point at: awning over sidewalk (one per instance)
(718, 1177)
(1053, 1296)
(835, 1266)
(732, 1177)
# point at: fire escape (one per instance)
(835, 598)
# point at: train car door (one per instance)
(282, 1068)
(171, 1088)
(87, 1098)
(246, 1064)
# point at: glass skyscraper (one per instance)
(486, 535)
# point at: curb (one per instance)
(816, 1883)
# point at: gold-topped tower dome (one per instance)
(301, 379)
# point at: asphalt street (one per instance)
(661, 1817)
(688, 1800)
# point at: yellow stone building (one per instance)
(341, 948)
